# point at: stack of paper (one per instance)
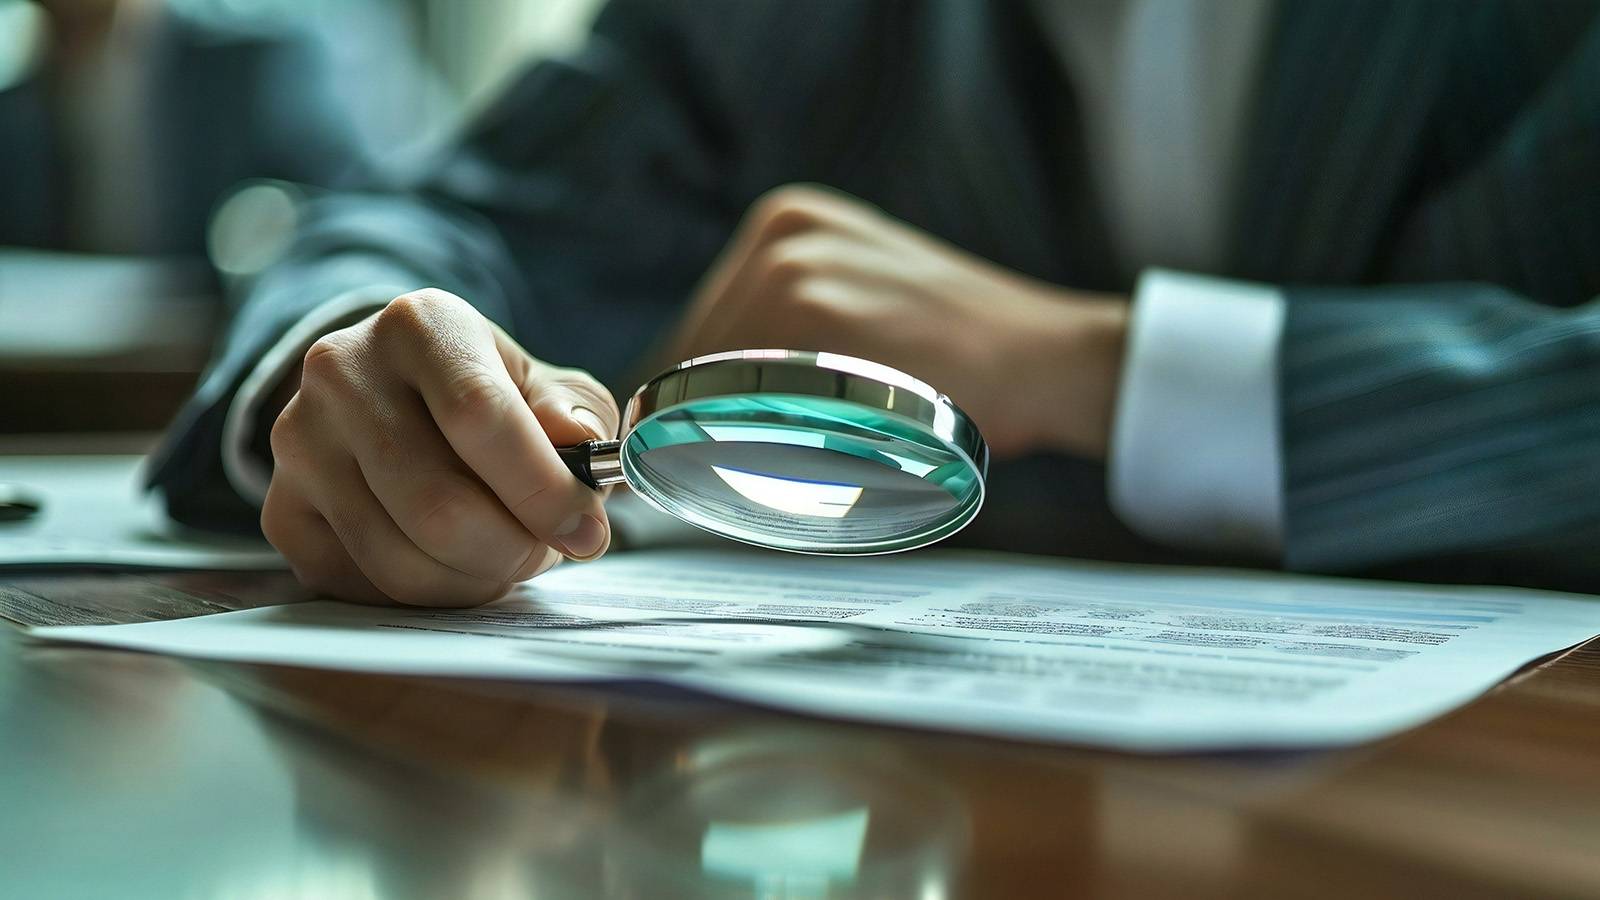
(1142, 658)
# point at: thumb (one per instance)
(572, 407)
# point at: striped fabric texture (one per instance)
(1441, 409)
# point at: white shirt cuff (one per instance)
(1196, 458)
(247, 472)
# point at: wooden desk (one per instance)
(132, 776)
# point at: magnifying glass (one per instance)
(796, 450)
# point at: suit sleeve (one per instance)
(577, 212)
(1452, 429)
(1447, 426)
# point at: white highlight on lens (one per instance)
(789, 495)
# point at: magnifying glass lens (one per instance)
(803, 473)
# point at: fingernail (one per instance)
(581, 536)
(589, 419)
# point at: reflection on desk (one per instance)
(136, 776)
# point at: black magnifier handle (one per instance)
(596, 463)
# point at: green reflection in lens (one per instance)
(772, 469)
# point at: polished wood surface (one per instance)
(133, 776)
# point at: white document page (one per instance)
(94, 513)
(1144, 658)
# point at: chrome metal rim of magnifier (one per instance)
(802, 373)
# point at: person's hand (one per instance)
(809, 269)
(416, 462)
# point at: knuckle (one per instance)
(783, 263)
(402, 317)
(476, 398)
(327, 361)
(788, 208)
(816, 298)
(326, 354)
(284, 438)
(789, 220)
(434, 298)
(413, 313)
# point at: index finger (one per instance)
(482, 413)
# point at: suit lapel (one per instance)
(1345, 91)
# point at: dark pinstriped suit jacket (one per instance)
(1423, 177)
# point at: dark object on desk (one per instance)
(18, 503)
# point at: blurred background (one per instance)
(148, 145)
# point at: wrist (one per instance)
(1078, 361)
